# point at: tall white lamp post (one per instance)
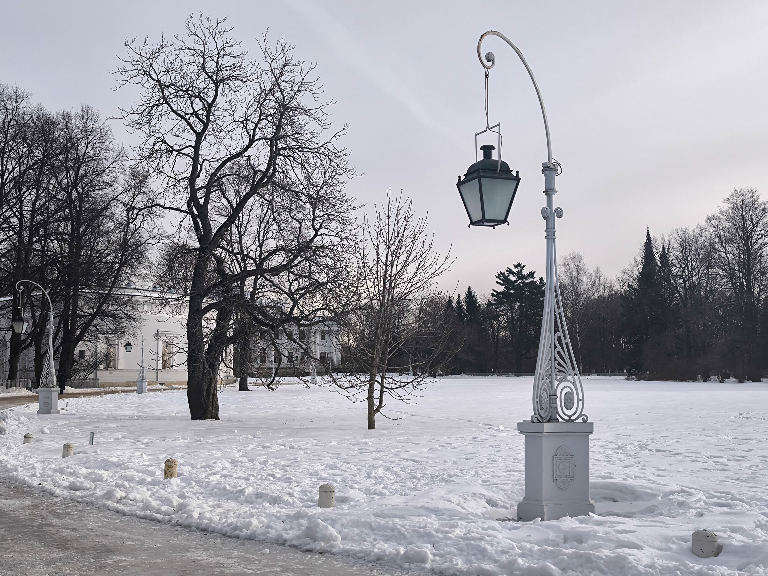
(557, 435)
(141, 381)
(48, 392)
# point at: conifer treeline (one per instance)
(692, 304)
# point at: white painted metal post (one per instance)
(141, 381)
(157, 356)
(557, 435)
(48, 392)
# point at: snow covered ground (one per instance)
(435, 490)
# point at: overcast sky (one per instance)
(657, 109)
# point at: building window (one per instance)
(290, 357)
(322, 335)
(302, 334)
(263, 356)
(81, 354)
(323, 358)
(289, 334)
(276, 357)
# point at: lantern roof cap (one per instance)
(488, 163)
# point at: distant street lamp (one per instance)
(556, 442)
(141, 381)
(128, 346)
(18, 321)
(48, 392)
(157, 337)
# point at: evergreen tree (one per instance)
(460, 310)
(472, 307)
(521, 301)
(643, 309)
(472, 358)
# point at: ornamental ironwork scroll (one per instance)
(558, 393)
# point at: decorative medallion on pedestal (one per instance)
(563, 467)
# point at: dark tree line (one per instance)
(500, 333)
(692, 304)
(74, 218)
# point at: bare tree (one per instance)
(740, 237)
(75, 220)
(696, 285)
(101, 233)
(397, 334)
(27, 144)
(578, 288)
(223, 132)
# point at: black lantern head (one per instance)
(17, 320)
(488, 190)
(128, 346)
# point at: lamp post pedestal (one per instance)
(48, 401)
(556, 470)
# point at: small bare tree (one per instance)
(398, 332)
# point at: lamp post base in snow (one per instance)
(556, 470)
(48, 401)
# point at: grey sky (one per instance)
(657, 109)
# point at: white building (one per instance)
(288, 349)
(163, 330)
(117, 358)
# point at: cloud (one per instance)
(363, 62)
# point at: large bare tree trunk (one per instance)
(201, 381)
(14, 356)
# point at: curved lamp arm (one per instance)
(50, 306)
(52, 367)
(491, 60)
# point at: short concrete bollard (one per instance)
(27, 438)
(171, 469)
(67, 451)
(327, 498)
(704, 544)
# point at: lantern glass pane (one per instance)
(497, 196)
(470, 194)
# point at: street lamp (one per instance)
(128, 346)
(48, 392)
(557, 435)
(141, 381)
(18, 321)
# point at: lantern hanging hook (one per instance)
(496, 128)
(487, 122)
(490, 60)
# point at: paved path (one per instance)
(41, 535)
(10, 401)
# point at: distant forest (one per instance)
(691, 304)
